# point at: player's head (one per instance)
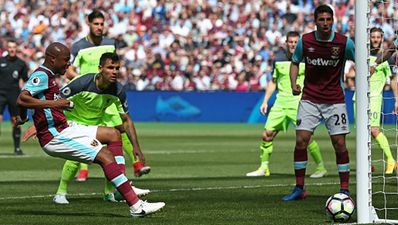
(376, 37)
(57, 58)
(109, 67)
(12, 48)
(96, 20)
(292, 38)
(323, 16)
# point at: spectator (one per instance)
(147, 32)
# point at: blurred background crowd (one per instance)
(182, 45)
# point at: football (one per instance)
(339, 207)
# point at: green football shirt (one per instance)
(90, 102)
(379, 77)
(86, 55)
(282, 76)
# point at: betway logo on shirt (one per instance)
(322, 62)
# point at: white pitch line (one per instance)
(183, 152)
(154, 152)
(179, 190)
(21, 156)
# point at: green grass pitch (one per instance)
(197, 169)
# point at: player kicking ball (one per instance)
(73, 141)
(91, 95)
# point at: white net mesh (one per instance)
(384, 14)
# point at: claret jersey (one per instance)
(49, 122)
(324, 66)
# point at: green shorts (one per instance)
(280, 117)
(112, 117)
(375, 111)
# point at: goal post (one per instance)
(363, 142)
(377, 192)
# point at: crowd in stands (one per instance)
(181, 45)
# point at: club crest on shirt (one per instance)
(57, 96)
(335, 51)
(3, 65)
(15, 74)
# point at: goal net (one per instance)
(377, 192)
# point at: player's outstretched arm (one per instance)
(27, 101)
(269, 90)
(294, 69)
(129, 128)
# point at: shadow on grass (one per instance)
(8, 154)
(60, 213)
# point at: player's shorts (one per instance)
(280, 117)
(76, 142)
(9, 99)
(310, 115)
(375, 111)
(112, 117)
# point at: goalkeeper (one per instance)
(379, 75)
(283, 111)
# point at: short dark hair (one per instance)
(323, 9)
(109, 55)
(13, 40)
(96, 13)
(377, 29)
(292, 34)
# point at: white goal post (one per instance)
(363, 145)
(366, 212)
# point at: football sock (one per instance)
(266, 150)
(83, 166)
(343, 166)
(315, 152)
(128, 147)
(16, 136)
(300, 165)
(381, 139)
(116, 149)
(68, 173)
(114, 174)
(264, 165)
